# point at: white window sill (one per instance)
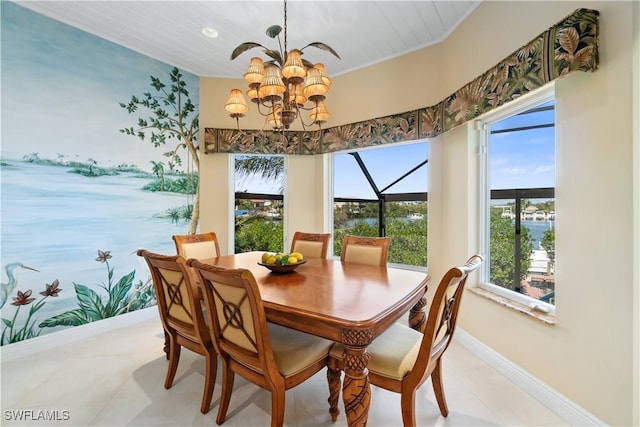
(546, 318)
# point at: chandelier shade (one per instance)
(296, 96)
(284, 85)
(323, 73)
(314, 85)
(319, 114)
(255, 73)
(294, 70)
(236, 105)
(272, 87)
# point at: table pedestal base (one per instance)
(356, 389)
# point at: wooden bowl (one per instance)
(285, 268)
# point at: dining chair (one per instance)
(365, 250)
(200, 246)
(311, 245)
(401, 359)
(271, 356)
(182, 318)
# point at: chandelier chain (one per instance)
(285, 28)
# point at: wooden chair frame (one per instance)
(366, 241)
(436, 337)
(235, 308)
(181, 239)
(182, 318)
(311, 237)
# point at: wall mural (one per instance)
(79, 196)
(568, 46)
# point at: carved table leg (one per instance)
(356, 390)
(417, 315)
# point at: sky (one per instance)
(526, 158)
(385, 164)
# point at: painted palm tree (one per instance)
(91, 162)
(158, 170)
(7, 288)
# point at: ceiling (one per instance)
(362, 32)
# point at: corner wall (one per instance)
(588, 356)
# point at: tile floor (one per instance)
(116, 379)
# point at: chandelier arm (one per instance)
(240, 131)
(264, 124)
(319, 137)
(268, 107)
(298, 110)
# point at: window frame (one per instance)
(482, 125)
(383, 198)
(242, 195)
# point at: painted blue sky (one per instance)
(61, 89)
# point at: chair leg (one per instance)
(407, 405)
(438, 389)
(174, 358)
(166, 345)
(227, 388)
(211, 370)
(333, 378)
(277, 407)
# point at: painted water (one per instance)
(56, 221)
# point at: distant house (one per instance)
(259, 203)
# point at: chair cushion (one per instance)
(308, 249)
(361, 254)
(199, 250)
(393, 353)
(293, 350)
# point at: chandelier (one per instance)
(284, 85)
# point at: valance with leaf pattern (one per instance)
(570, 45)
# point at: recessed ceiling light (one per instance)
(210, 32)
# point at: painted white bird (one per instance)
(7, 289)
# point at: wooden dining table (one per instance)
(344, 302)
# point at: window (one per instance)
(518, 197)
(383, 192)
(259, 203)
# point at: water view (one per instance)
(56, 221)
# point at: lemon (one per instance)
(265, 257)
(293, 260)
(298, 256)
(271, 260)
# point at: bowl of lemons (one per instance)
(281, 262)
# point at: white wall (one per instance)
(591, 354)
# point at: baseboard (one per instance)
(566, 409)
(45, 342)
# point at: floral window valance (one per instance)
(570, 45)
